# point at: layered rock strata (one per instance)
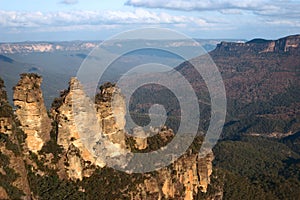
(13, 175)
(81, 126)
(68, 134)
(31, 111)
(111, 110)
(185, 178)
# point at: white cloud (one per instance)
(285, 13)
(76, 19)
(75, 28)
(279, 8)
(198, 5)
(231, 12)
(69, 2)
(284, 23)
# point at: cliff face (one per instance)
(75, 153)
(185, 178)
(13, 175)
(181, 180)
(291, 42)
(70, 123)
(110, 106)
(255, 71)
(31, 111)
(287, 44)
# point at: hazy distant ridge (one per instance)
(285, 44)
(40, 47)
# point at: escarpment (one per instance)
(67, 155)
(31, 111)
(286, 44)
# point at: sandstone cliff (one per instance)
(13, 175)
(76, 163)
(73, 114)
(185, 178)
(68, 136)
(111, 110)
(287, 44)
(31, 111)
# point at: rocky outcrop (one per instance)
(189, 174)
(111, 110)
(13, 171)
(79, 119)
(205, 169)
(290, 43)
(75, 163)
(31, 111)
(13, 174)
(140, 139)
(75, 117)
(68, 135)
(287, 44)
(182, 180)
(152, 140)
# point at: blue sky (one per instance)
(59, 20)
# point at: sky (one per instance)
(65, 20)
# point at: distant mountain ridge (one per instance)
(43, 46)
(37, 47)
(6, 59)
(286, 44)
(262, 81)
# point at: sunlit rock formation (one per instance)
(31, 111)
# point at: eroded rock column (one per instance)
(68, 135)
(31, 111)
(111, 110)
